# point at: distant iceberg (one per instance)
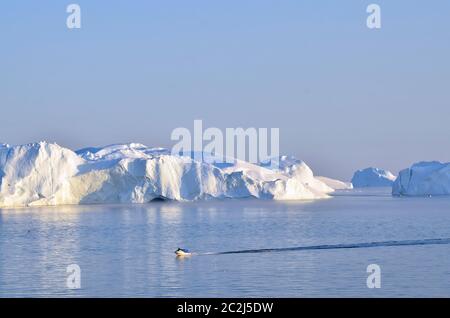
(43, 173)
(336, 184)
(372, 177)
(423, 179)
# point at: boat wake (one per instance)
(338, 246)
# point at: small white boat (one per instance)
(182, 252)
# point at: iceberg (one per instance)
(336, 184)
(43, 173)
(423, 179)
(372, 177)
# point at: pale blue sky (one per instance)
(344, 97)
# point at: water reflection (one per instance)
(128, 250)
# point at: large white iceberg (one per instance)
(372, 177)
(47, 174)
(423, 179)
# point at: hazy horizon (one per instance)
(344, 97)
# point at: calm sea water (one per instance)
(128, 250)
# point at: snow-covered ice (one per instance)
(336, 184)
(423, 179)
(48, 174)
(372, 177)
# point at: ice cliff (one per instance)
(423, 179)
(47, 174)
(372, 177)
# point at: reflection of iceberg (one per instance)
(47, 174)
(372, 177)
(423, 179)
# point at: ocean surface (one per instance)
(242, 248)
